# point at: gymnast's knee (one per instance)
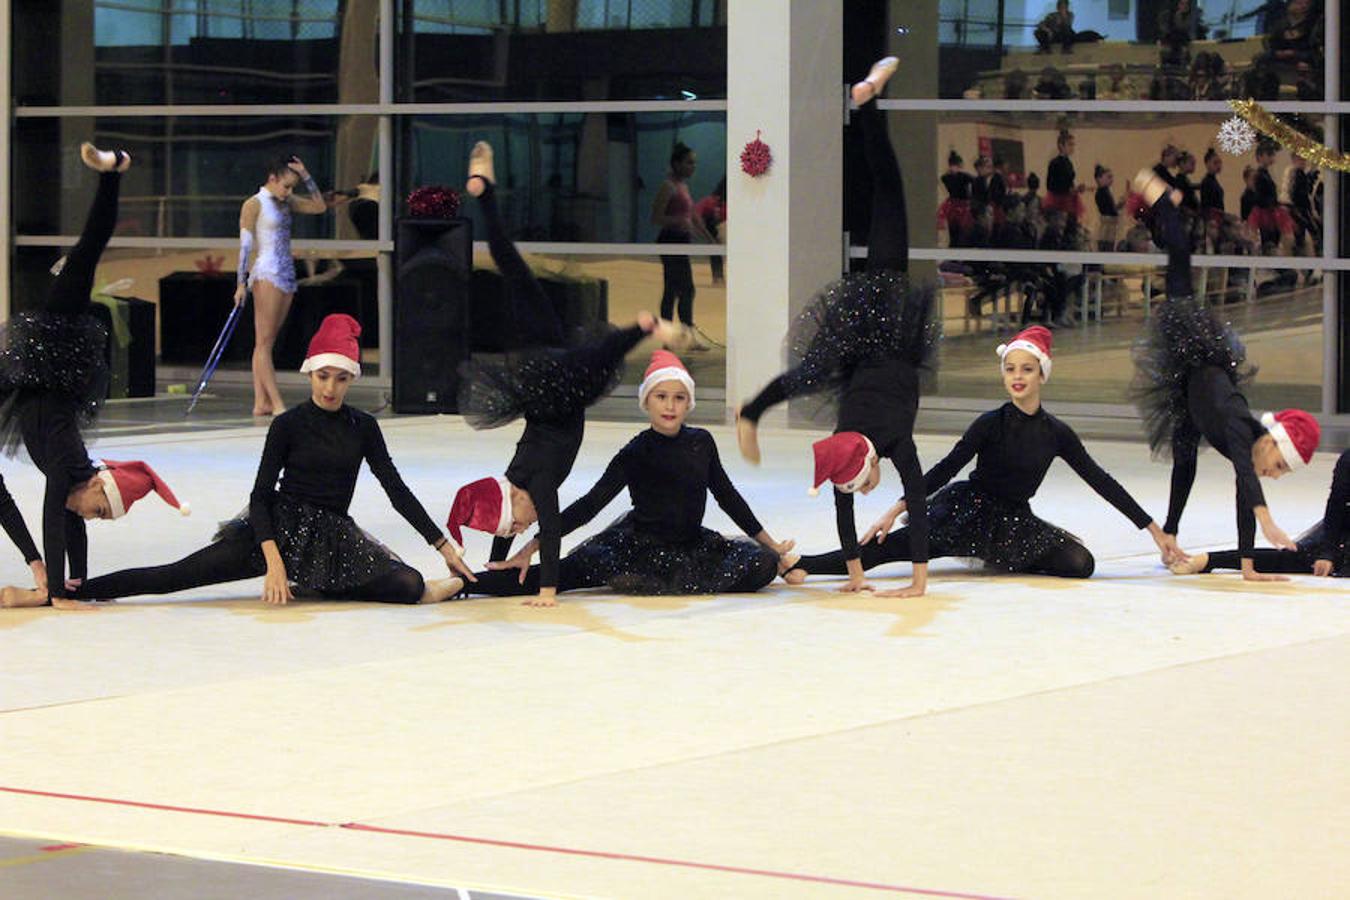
(760, 573)
(1075, 562)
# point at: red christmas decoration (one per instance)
(208, 264)
(756, 158)
(434, 201)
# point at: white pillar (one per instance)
(784, 235)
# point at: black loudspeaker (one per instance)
(434, 260)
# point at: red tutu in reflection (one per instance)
(956, 213)
(1276, 218)
(1070, 204)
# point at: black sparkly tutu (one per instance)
(966, 521)
(322, 549)
(862, 318)
(542, 384)
(1181, 336)
(635, 563)
(1310, 543)
(62, 353)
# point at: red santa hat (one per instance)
(127, 482)
(335, 344)
(1035, 340)
(845, 459)
(483, 505)
(1296, 433)
(665, 366)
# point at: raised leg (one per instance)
(72, 287)
(532, 311)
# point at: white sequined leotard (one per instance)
(273, 229)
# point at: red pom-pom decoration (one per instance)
(756, 158)
(435, 201)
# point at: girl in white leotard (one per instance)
(265, 224)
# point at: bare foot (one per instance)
(66, 603)
(786, 562)
(870, 87)
(646, 321)
(22, 598)
(481, 172)
(908, 590)
(441, 589)
(794, 576)
(261, 411)
(1193, 566)
(747, 436)
(672, 335)
(104, 160)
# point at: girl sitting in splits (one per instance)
(1189, 373)
(53, 380)
(660, 546)
(989, 516)
(300, 532)
(544, 380)
(1323, 549)
(866, 337)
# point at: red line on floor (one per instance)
(493, 842)
(164, 807)
(56, 848)
(662, 861)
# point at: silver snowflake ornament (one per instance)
(1236, 137)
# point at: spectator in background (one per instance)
(1052, 86)
(1167, 161)
(712, 210)
(1015, 85)
(998, 191)
(1297, 190)
(1056, 28)
(1178, 24)
(1208, 72)
(1117, 87)
(1270, 219)
(1211, 197)
(979, 201)
(955, 210)
(1108, 211)
(1247, 202)
(1060, 187)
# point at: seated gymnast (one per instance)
(300, 531)
(1190, 369)
(865, 339)
(989, 517)
(548, 379)
(1323, 550)
(659, 546)
(53, 380)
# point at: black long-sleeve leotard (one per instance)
(1218, 413)
(1211, 193)
(51, 434)
(318, 455)
(1015, 451)
(1336, 518)
(669, 479)
(12, 521)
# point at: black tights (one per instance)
(70, 291)
(234, 559)
(887, 237)
(576, 573)
(1174, 237)
(677, 278)
(536, 321)
(1072, 560)
(1288, 562)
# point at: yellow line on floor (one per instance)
(42, 857)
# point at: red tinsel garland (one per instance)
(756, 158)
(434, 201)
